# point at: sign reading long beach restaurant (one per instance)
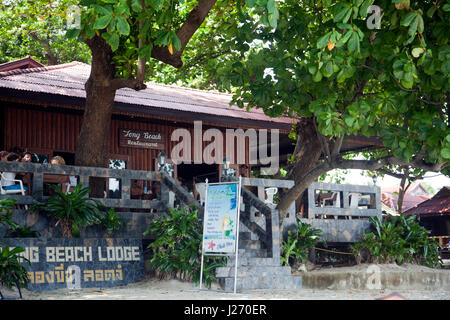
(140, 139)
(76, 263)
(221, 214)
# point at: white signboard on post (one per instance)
(219, 234)
(221, 220)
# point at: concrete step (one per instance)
(253, 271)
(244, 260)
(249, 244)
(274, 282)
(253, 253)
(245, 236)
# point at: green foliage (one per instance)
(111, 222)
(398, 240)
(6, 209)
(11, 270)
(74, 209)
(14, 231)
(336, 176)
(323, 61)
(296, 248)
(132, 28)
(37, 28)
(177, 247)
(22, 232)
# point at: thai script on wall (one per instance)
(76, 263)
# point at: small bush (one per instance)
(397, 240)
(298, 244)
(12, 272)
(177, 247)
(72, 210)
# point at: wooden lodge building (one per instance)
(41, 111)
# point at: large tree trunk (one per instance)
(92, 146)
(306, 154)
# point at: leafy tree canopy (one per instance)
(38, 28)
(349, 68)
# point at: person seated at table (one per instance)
(25, 177)
(4, 155)
(68, 186)
(8, 177)
(26, 157)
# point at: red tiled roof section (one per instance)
(69, 79)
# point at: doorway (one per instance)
(190, 174)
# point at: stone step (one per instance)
(253, 253)
(245, 236)
(253, 271)
(274, 282)
(249, 244)
(244, 260)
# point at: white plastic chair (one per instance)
(354, 199)
(270, 192)
(171, 199)
(335, 197)
(201, 188)
(14, 191)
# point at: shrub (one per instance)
(111, 222)
(298, 244)
(177, 247)
(14, 231)
(11, 271)
(397, 239)
(6, 210)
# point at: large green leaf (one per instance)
(102, 22)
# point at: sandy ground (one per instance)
(154, 289)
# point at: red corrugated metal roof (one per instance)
(69, 79)
(24, 63)
(439, 204)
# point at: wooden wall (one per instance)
(42, 130)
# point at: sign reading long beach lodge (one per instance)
(140, 139)
(80, 262)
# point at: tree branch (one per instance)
(185, 33)
(400, 86)
(337, 146)
(390, 160)
(134, 84)
(323, 142)
(46, 44)
(400, 175)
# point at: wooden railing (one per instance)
(444, 241)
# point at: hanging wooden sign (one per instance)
(133, 138)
